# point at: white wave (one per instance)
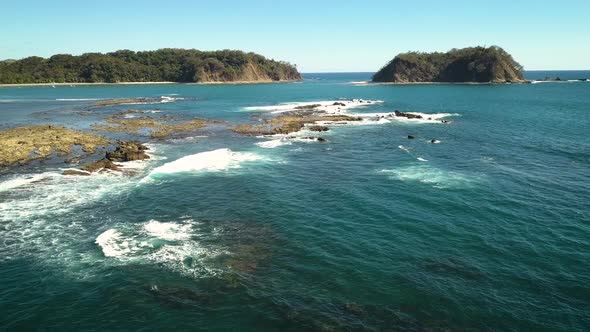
(363, 122)
(273, 143)
(426, 117)
(182, 252)
(329, 106)
(403, 148)
(216, 160)
(23, 180)
(421, 159)
(168, 230)
(359, 82)
(167, 99)
(426, 174)
(111, 244)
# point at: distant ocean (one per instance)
(486, 230)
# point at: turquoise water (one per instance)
(488, 231)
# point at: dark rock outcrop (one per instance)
(318, 128)
(125, 151)
(128, 151)
(407, 115)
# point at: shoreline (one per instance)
(445, 83)
(144, 83)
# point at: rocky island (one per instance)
(164, 65)
(466, 65)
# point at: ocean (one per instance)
(486, 230)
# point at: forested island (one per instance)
(466, 65)
(164, 65)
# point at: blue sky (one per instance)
(316, 35)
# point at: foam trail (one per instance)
(426, 174)
(25, 180)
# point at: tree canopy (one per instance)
(173, 65)
(471, 64)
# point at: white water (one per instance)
(326, 105)
(430, 175)
(216, 160)
(141, 243)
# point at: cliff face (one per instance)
(172, 65)
(473, 64)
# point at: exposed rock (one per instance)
(128, 151)
(307, 107)
(23, 144)
(340, 104)
(103, 164)
(407, 115)
(288, 123)
(75, 172)
(318, 128)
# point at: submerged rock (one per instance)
(158, 127)
(411, 137)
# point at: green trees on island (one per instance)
(173, 65)
(471, 64)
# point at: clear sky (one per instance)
(317, 35)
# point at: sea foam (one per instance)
(430, 175)
(180, 252)
(327, 106)
(216, 160)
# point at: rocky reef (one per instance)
(23, 144)
(466, 65)
(293, 121)
(158, 127)
(125, 151)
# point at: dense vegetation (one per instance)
(472, 64)
(173, 65)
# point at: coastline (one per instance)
(445, 83)
(145, 83)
